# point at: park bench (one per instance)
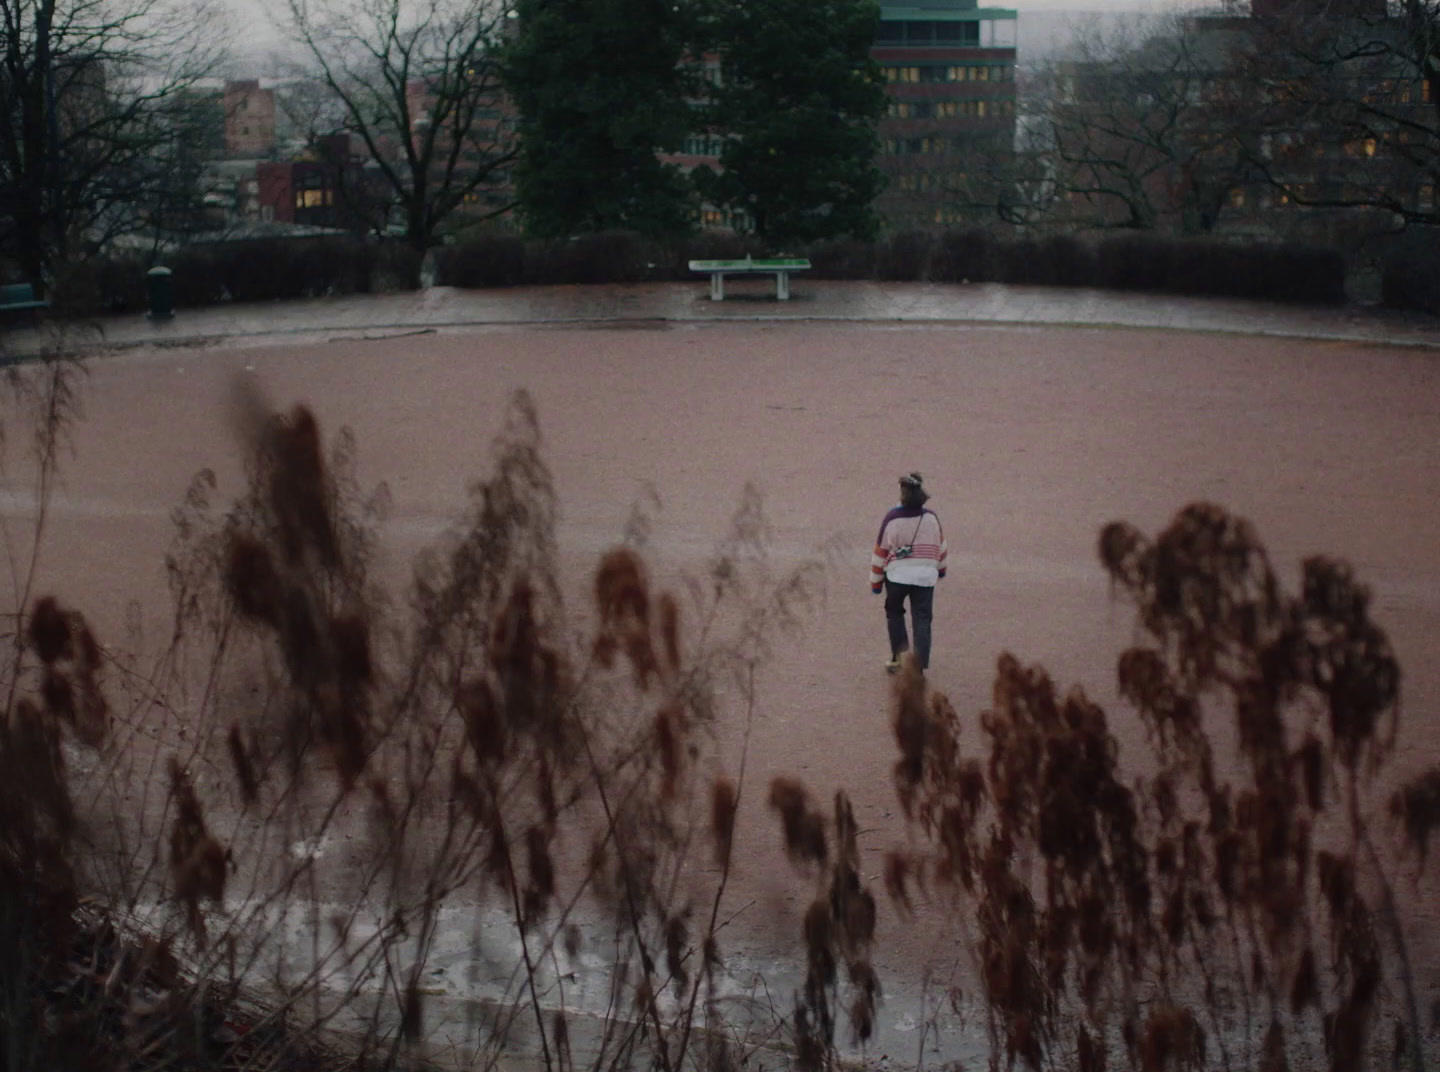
(20, 297)
(779, 267)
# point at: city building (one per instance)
(1241, 125)
(948, 137)
(249, 119)
(484, 156)
(327, 187)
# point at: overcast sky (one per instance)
(254, 33)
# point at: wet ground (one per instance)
(1030, 437)
(442, 308)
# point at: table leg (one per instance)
(717, 286)
(782, 286)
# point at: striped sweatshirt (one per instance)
(919, 529)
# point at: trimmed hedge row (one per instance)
(1284, 273)
(273, 269)
(1410, 274)
(262, 270)
(609, 257)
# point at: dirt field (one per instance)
(1030, 440)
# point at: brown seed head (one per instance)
(803, 827)
(50, 631)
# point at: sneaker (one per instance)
(892, 665)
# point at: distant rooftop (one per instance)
(944, 10)
(253, 230)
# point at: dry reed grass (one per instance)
(472, 741)
(1220, 911)
(456, 736)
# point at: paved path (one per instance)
(442, 308)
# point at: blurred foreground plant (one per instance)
(1226, 904)
(292, 809)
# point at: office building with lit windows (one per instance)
(949, 132)
(947, 138)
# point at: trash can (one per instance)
(162, 300)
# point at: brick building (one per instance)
(329, 187)
(486, 150)
(249, 119)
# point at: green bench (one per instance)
(17, 297)
(779, 267)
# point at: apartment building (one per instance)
(949, 132)
(489, 140)
(1231, 124)
(249, 119)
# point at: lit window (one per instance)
(982, 74)
(1237, 198)
(1369, 146)
(980, 110)
(1425, 91)
(1427, 196)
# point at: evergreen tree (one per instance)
(797, 103)
(600, 90)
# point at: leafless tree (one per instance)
(91, 95)
(419, 85)
(1142, 128)
(1351, 103)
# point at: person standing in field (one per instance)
(909, 558)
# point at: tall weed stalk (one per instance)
(1225, 901)
(294, 805)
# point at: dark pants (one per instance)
(922, 606)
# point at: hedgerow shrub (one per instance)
(487, 261)
(268, 270)
(608, 257)
(213, 273)
(1134, 262)
(1287, 273)
(907, 257)
(965, 257)
(1410, 274)
(98, 287)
